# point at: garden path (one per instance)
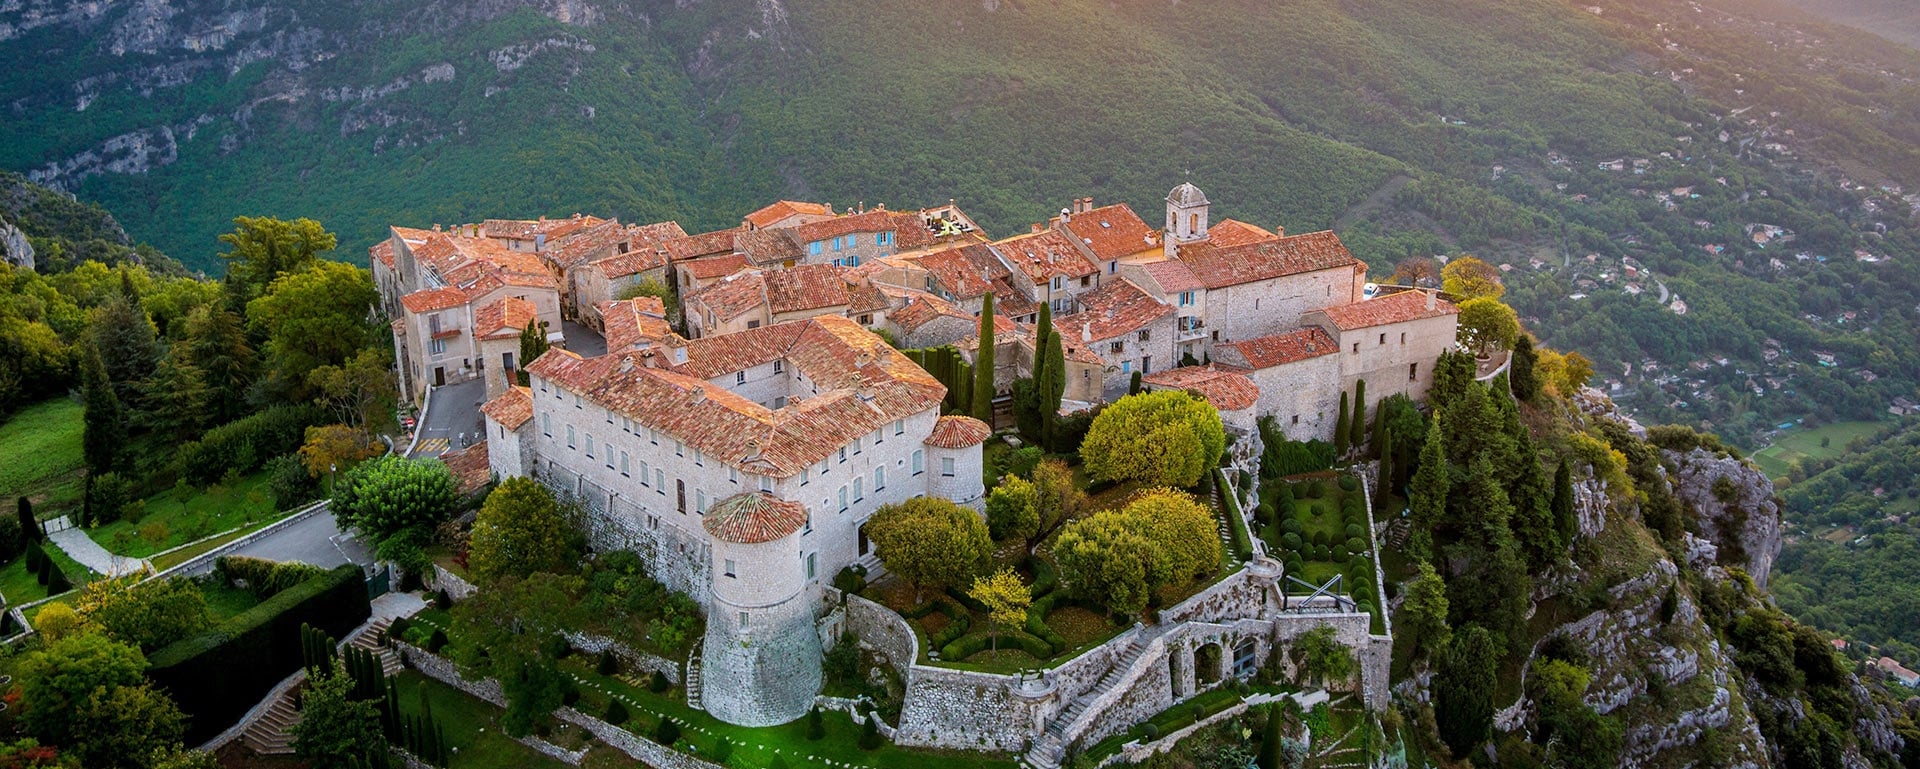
(89, 553)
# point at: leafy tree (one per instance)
(1487, 325)
(336, 731)
(669, 299)
(1013, 510)
(1118, 557)
(1574, 735)
(1463, 688)
(1183, 528)
(28, 753)
(124, 726)
(147, 614)
(983, 387)
(262, 249)
(1468, 278)
(216, 345)
(1525, 384)
(58, 620)
(1423, 615)
(358, 390)
(1165, 438)
(289, 482)
(1323, 658)
(180, 757)
(313, 318)
(1057, 496)
(520, 529)
(103, 431)
(389, 495)
(1006, 597)
(930, 542)
(57, 682)
(333, 448)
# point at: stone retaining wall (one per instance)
(457, 589)
(882, 631)
(961, 709)
(629, 656)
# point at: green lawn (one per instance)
(1797, 444)
(40, 457)
(185, 554)
(170, 521)
(224, 601)
(18, 585)
(472, 726)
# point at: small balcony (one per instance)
(1190, 328)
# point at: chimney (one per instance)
(1037, 227)
(1432, 299)
(863, 206)
(1086, 332)
(1066, 214)
(436, 226)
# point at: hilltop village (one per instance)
(735, 406)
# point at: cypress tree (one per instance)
(1464, 687)
(1052, 387)
(1383, 475)
(29, 526)
(533, 344)
(1270, 754)
(1360, 414)
(816, 729)
(869, 734)
(1133, 384)
(983, 365)
(1342, 427)
(34, 556)
(1525, 384)
(1041, 331)
(45, 572)
(103, 429)
(1427, 491)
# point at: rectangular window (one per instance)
(729, 568)
(660, 482)
(1296, 419)
(653, 436)
(1144, 334)
(609, 416)
(437, 346)
(679, 449)
(766, 484)
(1356, 348)
(857, 441)
(843, 453)
(919, 461)
(646, 472)
(589, 445)
(1413, 372)
(653, 522)
(623, 464)
(733, 475)
(576, 400)
(1117, 347)
(700, 501)
(806, 474)
(946, 466)
(1086, 280)
(836, 244)
(857, 494)
(814, 248)
(1383, 338)
(569, 436)
(739, 377)
(899, 426)
(743, 620)
(879, 478)
(807, 528)
(1403, 337)
(810, 565)
(843, 499)
(779, 367)
(546, 425)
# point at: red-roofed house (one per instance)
(786, 213)
(1128, 328)
(1232, 393)
(1391, 341)
(449, 289)
(1298, 374)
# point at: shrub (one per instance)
(1293, 525)
(1337, 552)
(816, 726)
(1265, 513)
(441, 600)
(616, 712)
(1316, 490)
(1322, 552)
(398, 628)
(243, 444)
(1356, 545)
(1319, 539)
(1150, 732)
(668, 732)
(1291, 540)
(1354, 531)
(720, 751)
(263, 578)
(437, 641)
(851, 579)
(217, 674)
(658, 683)
(1022, 461)
(289, 482)
(1349, 483)
(870, 734)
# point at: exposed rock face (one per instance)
(1735, 505)
(14, 248)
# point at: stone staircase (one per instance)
(272, 733)
(1047, 751)
(693, 677)
(1397, 533)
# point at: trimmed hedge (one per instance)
(246, 444)
(1045, 576)
(974, 644)
(219, 674)
(1038, 627)
(264, 578)
(958, 623)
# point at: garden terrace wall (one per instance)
(630, 657)
(882, 631)
(217, 675)
(457, 589)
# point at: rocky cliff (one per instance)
(14, 248)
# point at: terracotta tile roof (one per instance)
(1111, 232)
(769, 246)
(862, 384)
(432, 299)
(696, 246)
(715, 266)
(879, 220)
(1115, 308)
(1269, 351)
(1226, 390)
(784, 209)
(1231, 232)
(474, 265)
(754, 517)
(864, 296)
(806, 287)
(732, 296)
(1392, 308)
(1042, 255)
(512, 408)
(1219, 267)
(630, 322)
(1173, 276)
(910, 231)
(587, 244)
(966, 271)
(470, 467)
(958, 432)
(504, 318)
(652, 235)
(381, 252)
(526, 229)
(921, 308)
(1008, 302)
(633, 262)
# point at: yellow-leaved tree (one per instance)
(1006, 597)
(1162, 438)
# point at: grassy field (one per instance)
(472, 727)
(170, 521)
(40, 457)
(1796, 445)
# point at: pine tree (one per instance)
(1525, 384)
(104, 429)
(983, 364)
(1563, 513)
(1360, 414)
(1463, 689)
(1342, 428)
(216, 344)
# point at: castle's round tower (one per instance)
(953, 451)
(760, 665)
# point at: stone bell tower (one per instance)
(1186, 217)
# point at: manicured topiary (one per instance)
(617, 712)
(1354, 530)
(658, 682)
(1291, 540)
(437, 641)
(1292, 524)
(1338, 553)
(816, 726)
(1150, 732)
(668, 732)
(607, 664)
(1348, 483)
(870, 734)
(724, 748)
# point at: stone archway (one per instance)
(1209, 665)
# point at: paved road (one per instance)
(582, 340)
(453, 419)
(90, 554)
(316, 540)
